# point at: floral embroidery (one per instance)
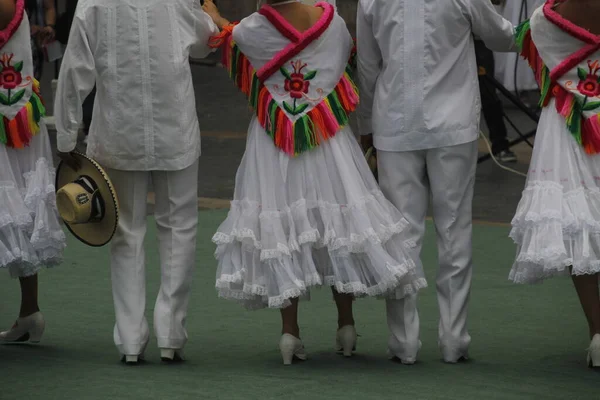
(10, 79)
(297, 85)
(589, 84)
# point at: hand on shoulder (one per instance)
(211, 9)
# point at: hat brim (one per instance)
(95, 234)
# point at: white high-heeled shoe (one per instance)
(291, 347)
(593, 357)
(28, 329)
(346, 340)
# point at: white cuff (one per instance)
(66, 142)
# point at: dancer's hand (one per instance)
(47, 34)
(35, 29)
(211, 9)
(70, 160)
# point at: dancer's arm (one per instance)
(204, 29)
(49, 31)
(76, 80)
(7, 12)
(497, 32)
(211, 9)
(369, 64)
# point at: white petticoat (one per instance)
(557, 223)
(30, 232)
(317, 219)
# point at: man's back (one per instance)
(418, 72)
(136, 51)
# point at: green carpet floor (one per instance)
(528, 342)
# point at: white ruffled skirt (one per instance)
(318, 219)
(30, 233)
(557, 223)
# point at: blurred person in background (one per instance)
(42, 17)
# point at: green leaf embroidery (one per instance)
(4, 100)
(301, 108)
(582, 73)
(1, 67)
(19, 66)
(288, 108)
(591, 106)
(310, 75)
(285, 73)
(17, 97)
(295, 111)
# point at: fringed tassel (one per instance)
(310, 130)
(18, 132)
(530, 53)
(585, 131)
(591, 135)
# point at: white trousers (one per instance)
(409, 180)
(176, 214)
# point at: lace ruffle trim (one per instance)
(256, 296)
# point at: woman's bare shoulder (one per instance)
(7, 12)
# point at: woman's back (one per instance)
(588, 20)
(301, 16)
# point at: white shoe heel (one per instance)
(35, 334)
(346, 340)
(291, 347)
(172, 355)
(28, 329)
(593, 357)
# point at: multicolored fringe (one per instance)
(307, 132)
(585, 131)
(18, 132)
(530, 53)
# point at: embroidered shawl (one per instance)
(298, 83)
(566, 62)
(21, 107)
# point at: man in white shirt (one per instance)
(144, 127)
(420, 101)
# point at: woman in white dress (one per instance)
(557, 223)
(30, 233)
(307, 211)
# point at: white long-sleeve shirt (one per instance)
(137, 54)
(417, 70)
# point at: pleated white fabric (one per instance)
(30, 233)
(557, 223)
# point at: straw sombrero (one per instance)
(87, 201)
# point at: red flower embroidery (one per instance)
(589, 84)
(10, 76)
(296, 84)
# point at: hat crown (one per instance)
(74, 203)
